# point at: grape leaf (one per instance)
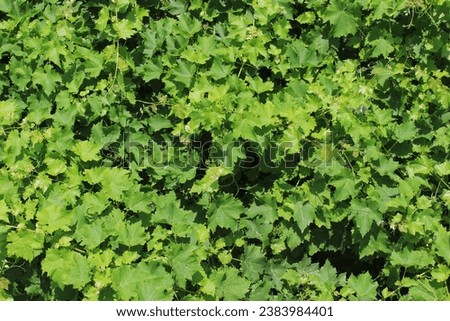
(184, 262)
(145, 281)
(87, 150)
(364, 286)
(184, 72)
(52, 217)
(233, 286)
(4, 210)
(225, 212)
(341, 19)
(132, 234)
(304, 215)
(91, 235)
(253, 263)
(26, 244)
(67, 268)
(365, 214)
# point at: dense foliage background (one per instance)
(207, 150)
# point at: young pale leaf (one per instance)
(55, 166)
(91, 235)
(67, 268)
(52, 217)
(26, 244)
(4, 210)
(125, 28)
(8, 112)
(87, 150)
(132, 234)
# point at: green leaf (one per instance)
(93, 64)
(87, 150)
(115, 181)
(187, 26)
(442, 244)
(258, 85)
(341, 19)
(387, 166)
(184, 72)
(219, 69)
(184, 262)
(26, 244)
(55, 166)
(443, 169)
(233, 287)
(20, 73)
(365, 214)
(66, 267)
(169, 211)
(412, 258)
(424, 290)
(345, 188)
(125, 28)
(6, 5)
(52, 217)
(405, 131)
(47, 78)
(4, 210)
(8, 112)
(306, 18)
(364, 286)
(225, 212)
(146, 281)
(257, 230)
(253, 263)
(91, 235)
(382, 73)
(304, 215)
(103, 18)
(300, 56)
(137, 201)
(132, 234)
(375, 243)
(94, 203)
(244, 128)
(381, 47)
(151, 70)
(158, 122)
